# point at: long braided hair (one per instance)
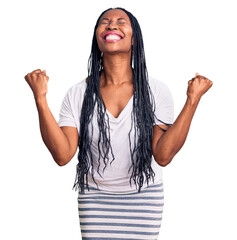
(142, 115)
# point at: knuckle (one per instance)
(27, 77)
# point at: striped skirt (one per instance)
(106, 215)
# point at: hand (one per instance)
(197, 86)
(37, 81)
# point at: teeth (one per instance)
(112, 36)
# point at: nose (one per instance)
(112, 25)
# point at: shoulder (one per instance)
(77, 90)
(78, 87)
(164, 102)
(158, 87)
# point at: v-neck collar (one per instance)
(122, 113)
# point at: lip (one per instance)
(112, 40)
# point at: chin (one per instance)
(116, 51)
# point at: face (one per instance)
(114, 32)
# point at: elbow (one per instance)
(163, 158)
(61, 161)
(164, 161)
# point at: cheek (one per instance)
(98, 37)
(130, 33)
(99, 40)
(99, 32)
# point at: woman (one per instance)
(124, 118)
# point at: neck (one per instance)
(117, 69)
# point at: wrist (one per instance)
(193, 101)
(40, 100)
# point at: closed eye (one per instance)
(120, 21)
(104, 22)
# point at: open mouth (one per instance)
(112, 36)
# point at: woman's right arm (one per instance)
(61, 142)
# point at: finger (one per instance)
(43, 76)
(26, 77)
(196, 74)
(36, 71)
(43, 73)
(204, 78)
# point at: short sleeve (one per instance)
(66, 116)
(164, 105)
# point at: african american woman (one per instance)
(127, 132)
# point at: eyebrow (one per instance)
(108, 19)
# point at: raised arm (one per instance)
(165, 145)
(61, 142)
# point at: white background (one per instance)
(181, 38)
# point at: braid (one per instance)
(142, 115)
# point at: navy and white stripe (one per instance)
(106, 215)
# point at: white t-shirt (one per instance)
(115, 176)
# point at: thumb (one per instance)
(46, 77)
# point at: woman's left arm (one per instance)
(165, 145)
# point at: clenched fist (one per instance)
(197, 86)
(37, 81)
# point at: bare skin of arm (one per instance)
(61, 142)
(165, 145)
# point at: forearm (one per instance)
(173, 139)
(52, 135)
